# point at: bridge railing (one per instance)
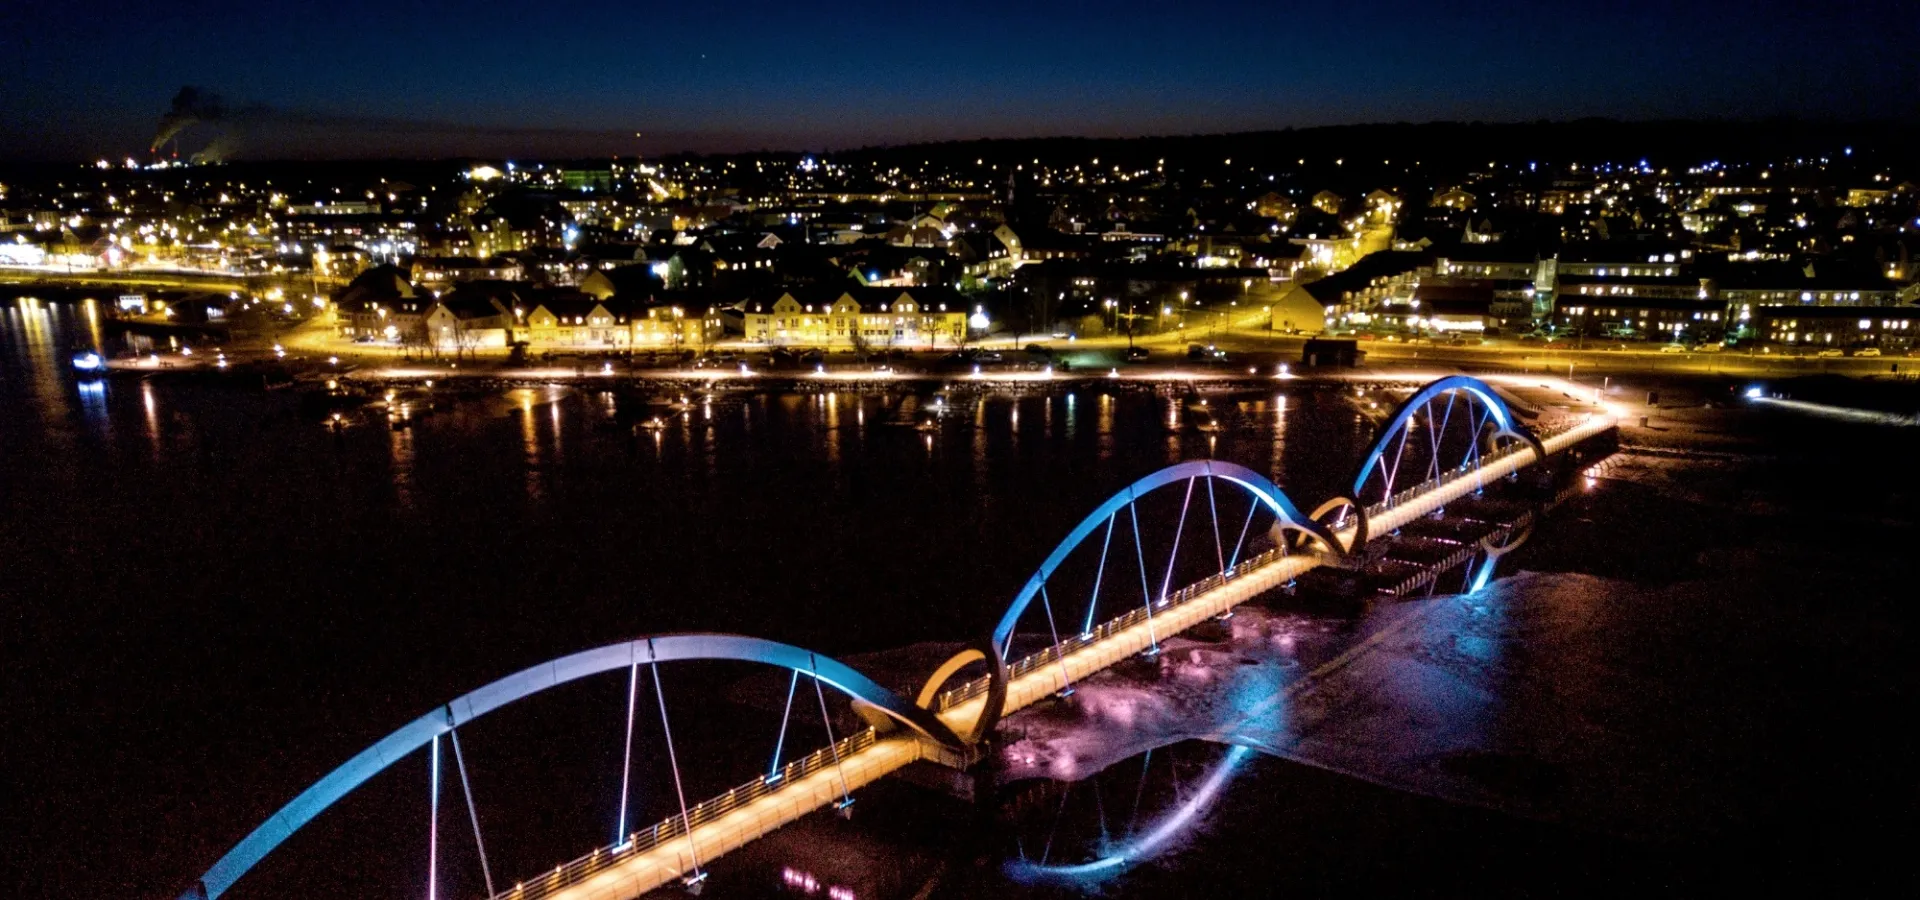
(968, 690)
(1465, 466)
(975, 687)
(1431, 572)
(571, 873)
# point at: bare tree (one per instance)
(418, 340)
(466, 338)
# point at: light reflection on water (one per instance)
(200, 489)
(1083, 848)
(400, 445)
(151, 409)
(758, 512)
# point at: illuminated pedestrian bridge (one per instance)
(1174, 549)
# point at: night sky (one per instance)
(352, 78)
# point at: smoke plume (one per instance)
(260, 127)
(190, 105)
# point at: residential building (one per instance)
(1666, 318)
(1892, 329)
(881, 317)
(446, 270)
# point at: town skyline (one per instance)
(1121, 450)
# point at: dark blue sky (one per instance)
(354, 78)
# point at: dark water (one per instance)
(210, 600)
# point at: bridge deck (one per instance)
(626, 876)
(635, 874)
(1045, 680)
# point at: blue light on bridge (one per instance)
(1486, 575)
(1120, 856)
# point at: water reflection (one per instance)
(95, 340)
(400, 456)
(152, 413)
(93, 405)
(1277, 449)
(1084, 832)
(34, 350)
(530, 449)
(978, 508)
(832, 434)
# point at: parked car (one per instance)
(1867, 351)
(1674, 348)
(1830, 352)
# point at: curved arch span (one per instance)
(1263, 490)
(1502, 416)
(1333, 505)
(527, 682)
(991, 707)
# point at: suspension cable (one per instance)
(1474, 454)
(846, 792)
(1219, 555)
(673, 761)
(1094, 603)
(1445, 420)
(1066, 681)
(433, 821)
(1433, 441)
(773, 772)
(473, 812)
(1046, 850)
(1178, 530)
(1139, 790)
(1146, 595)
(1100, 806)
(620, 836)
(1398, 455)
(1252, 507)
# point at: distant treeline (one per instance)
(1452, 144)
(1443, 145)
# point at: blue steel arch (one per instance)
(1497, 408)
(527, 682)
(1263, 490)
